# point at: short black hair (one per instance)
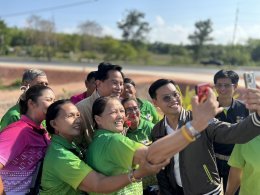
(230, 74)
(52, 112)
(157, 84)
(130, 81)
(104, 68)
(91, 75)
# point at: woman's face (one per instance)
(113, 117)
(129, 91)
(40, 107)
(67, 123)
(132, 112)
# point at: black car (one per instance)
(212, 62)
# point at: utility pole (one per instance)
(235, 27)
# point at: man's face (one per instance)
(225, 88)
(39, 80)
(168, 100)
(113, 86)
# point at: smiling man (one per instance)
(226, 82)
(109, 82)
(193, 170)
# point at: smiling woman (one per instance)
(70, 174)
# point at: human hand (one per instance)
(252, 99)
(146, 168)
(203, 112)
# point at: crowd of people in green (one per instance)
(107, 140)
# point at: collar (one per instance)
(62, 141)
(30, 122)
(140, 126)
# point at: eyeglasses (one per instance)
(132, 109)
(225, 85)
(169, 97)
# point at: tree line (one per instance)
(40, 40)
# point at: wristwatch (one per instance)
(195, 133)
(132, 178)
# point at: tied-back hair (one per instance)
(33, 93)
(52, 113)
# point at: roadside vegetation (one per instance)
(38, 40)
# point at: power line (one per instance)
(48, 9)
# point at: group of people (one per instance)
(107, 140)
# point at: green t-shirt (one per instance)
(247, 157)
(143, 133)
(112, 153)
(63, 171)
(148, 111)
(11, 116)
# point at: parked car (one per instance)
(212, 62)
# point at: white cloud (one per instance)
(178, 34)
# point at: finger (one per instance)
(194, 101)
(219, 110)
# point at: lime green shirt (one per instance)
(112, 153)
(143, 133)
(11, 116)
(148, 111)
(63, 170)
(247, 157)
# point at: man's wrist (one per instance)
(195, 133)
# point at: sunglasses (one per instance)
(169, 97)
(225, 85)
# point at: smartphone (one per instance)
(249, 78)
(202, 91)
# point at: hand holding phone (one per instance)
(249, 78)
(202, 91)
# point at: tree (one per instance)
(3, 37)
(133, 27)
(89, 30)
(42, 34)
(200, 37)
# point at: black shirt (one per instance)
(236, 112)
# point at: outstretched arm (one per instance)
(96, 182)
(202, 113)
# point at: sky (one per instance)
(171, 21)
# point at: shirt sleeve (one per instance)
(123, 150)
(8, 119)
(236, 159)
(13, 140)
(70, 169)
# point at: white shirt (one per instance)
(177, 173)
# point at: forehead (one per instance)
(114, 103)
(128, 85)
(68, 108)
(115, 75)
(40, 79)
(224, 80)
(47, 93)
(166, 89)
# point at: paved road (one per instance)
(199, 74)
